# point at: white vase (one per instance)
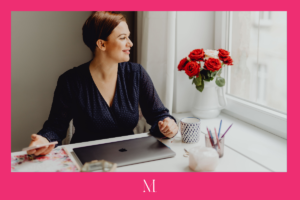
(209, 102)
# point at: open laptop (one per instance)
(126, 152)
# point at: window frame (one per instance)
(260, 116)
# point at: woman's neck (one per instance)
(103, 69)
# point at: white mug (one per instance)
(190, 129)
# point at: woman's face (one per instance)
(118, 43)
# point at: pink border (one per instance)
(168, 185)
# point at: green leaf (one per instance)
(220, 81)
(205, 75)
(198, 81)
(200, 87)
(207, 78)
(213, 74)
(190, 77)
(208, 73)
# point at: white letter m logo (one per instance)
(153, 183)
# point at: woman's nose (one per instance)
(129, 43)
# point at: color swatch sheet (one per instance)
(56, 161)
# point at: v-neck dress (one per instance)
(77, 97)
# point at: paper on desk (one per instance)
(56, 161)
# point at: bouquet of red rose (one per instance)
(213, 61)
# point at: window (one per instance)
(257, 82)
(259, 51)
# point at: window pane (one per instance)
(259, 52)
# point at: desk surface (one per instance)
(260, 146)
(236, 158)
(230, 162)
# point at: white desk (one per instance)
(247, 149)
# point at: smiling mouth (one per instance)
(127, 51)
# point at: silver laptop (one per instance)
(126, 152)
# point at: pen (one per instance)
(220, 129)
(217, 138)
(226, 130)
(212, 136)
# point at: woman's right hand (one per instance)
(39, 140)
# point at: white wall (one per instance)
(43, 46)
(46, 44)
(195, 30)
(156, 50)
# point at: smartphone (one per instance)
(38, 146)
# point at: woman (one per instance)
(102, 95)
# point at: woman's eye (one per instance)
(122, 38)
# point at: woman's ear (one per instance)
(101, 44)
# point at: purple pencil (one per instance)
(227, 130)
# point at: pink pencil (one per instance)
(217, 138)
(209, 137)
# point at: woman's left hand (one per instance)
(168, 127)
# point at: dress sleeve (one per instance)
(152, 108)
(55, 128)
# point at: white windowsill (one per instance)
(258, 116)
(262, 147)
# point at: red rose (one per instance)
(212, 64)
(228, 61)
(197, 55)
(182, 64)
(192, 69)
(223, 54)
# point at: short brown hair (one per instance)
(99, 25)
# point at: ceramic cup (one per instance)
(190, 129)
(203, 159)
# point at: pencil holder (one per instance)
(216, 147)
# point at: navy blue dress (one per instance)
(77, 97)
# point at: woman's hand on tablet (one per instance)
(168, 127)
(39, 140)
